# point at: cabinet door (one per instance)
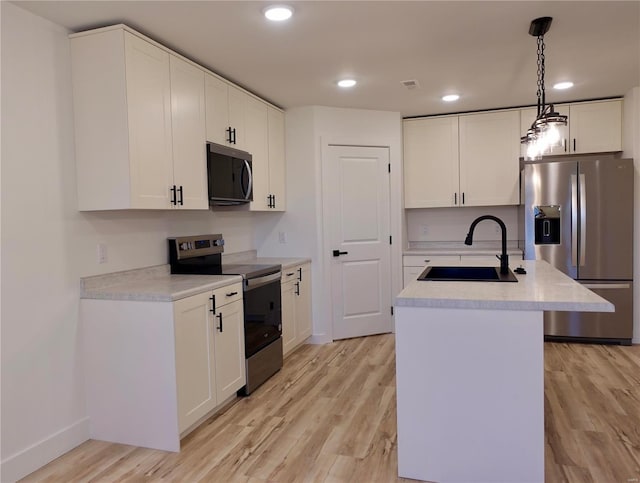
(188, 126)
(257, 143)
(489, 158)
(596, 127)
(303, 303)
(217, 109)
(229, 350)
(149, 117)
(430, 162)
(277, 164)
(288, 317)
(196, 379)
(237, 100)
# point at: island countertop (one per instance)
(542, 288)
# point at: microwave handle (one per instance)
(250, 184)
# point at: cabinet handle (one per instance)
(455, 198)
(274, 201)
(229, 138)
(564, 144)
(181, 201)
(297, 288)
(574, 145)
(234, 136)
(463, 197)
(300, 274)
(427, 260)
(173, 195)
(213, 304)
(220, 319)
(290, 274)
(232, 294)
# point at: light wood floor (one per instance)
(329, 416)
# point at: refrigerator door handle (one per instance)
(583, 218)
(606, 285)
(574, 220)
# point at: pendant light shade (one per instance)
(544, 133)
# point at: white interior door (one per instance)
(357, 194)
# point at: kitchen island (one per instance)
(469, 372)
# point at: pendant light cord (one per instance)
(540, 92)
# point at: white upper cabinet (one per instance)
(469, 160)
(225, 113)
(592, 127)
(431, 162)
(189, 141)
(489, 158)
(139, 142)
(239, 120)
(268, 158)
(595, 127)
(143, 115)
(277, 165)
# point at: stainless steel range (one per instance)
(202, 255)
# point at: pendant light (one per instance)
(544, 132)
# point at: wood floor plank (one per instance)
(330, 416)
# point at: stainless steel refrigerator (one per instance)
(578, 216)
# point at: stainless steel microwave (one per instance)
(229, 175)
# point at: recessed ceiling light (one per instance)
(278, 13)
(563, 85)
(450, 97)
(347, 83)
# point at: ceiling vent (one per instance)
(410, 84)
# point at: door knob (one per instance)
(337, 253)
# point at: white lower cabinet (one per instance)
(296, 306)
(209, 332)
(153, 370)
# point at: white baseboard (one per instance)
(39, 454)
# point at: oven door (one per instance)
(262, 312)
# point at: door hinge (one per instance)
(392, 310)
(390, 240)
(389, 167)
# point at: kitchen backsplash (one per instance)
(452, 224)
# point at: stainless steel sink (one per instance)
(466, 274)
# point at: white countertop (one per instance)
(156, 284)
(542, 288)
(157, 287)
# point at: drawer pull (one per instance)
(290, 274)
(220, 318)
(232, 294)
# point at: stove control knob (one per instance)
(184, 246)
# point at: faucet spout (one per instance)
(504, 258)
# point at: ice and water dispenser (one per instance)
(547, 224)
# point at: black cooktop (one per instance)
(249, 270)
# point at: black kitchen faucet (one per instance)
(504, 258)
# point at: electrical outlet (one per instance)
(282, 237)
(102, 253)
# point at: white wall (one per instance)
(47, 246)
(308, 129)
(452, 224)
(631, 138)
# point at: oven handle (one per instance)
(252, 283)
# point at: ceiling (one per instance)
(478, 49)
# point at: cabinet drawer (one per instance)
(228, 294)
(424, 260)
(291, 274)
